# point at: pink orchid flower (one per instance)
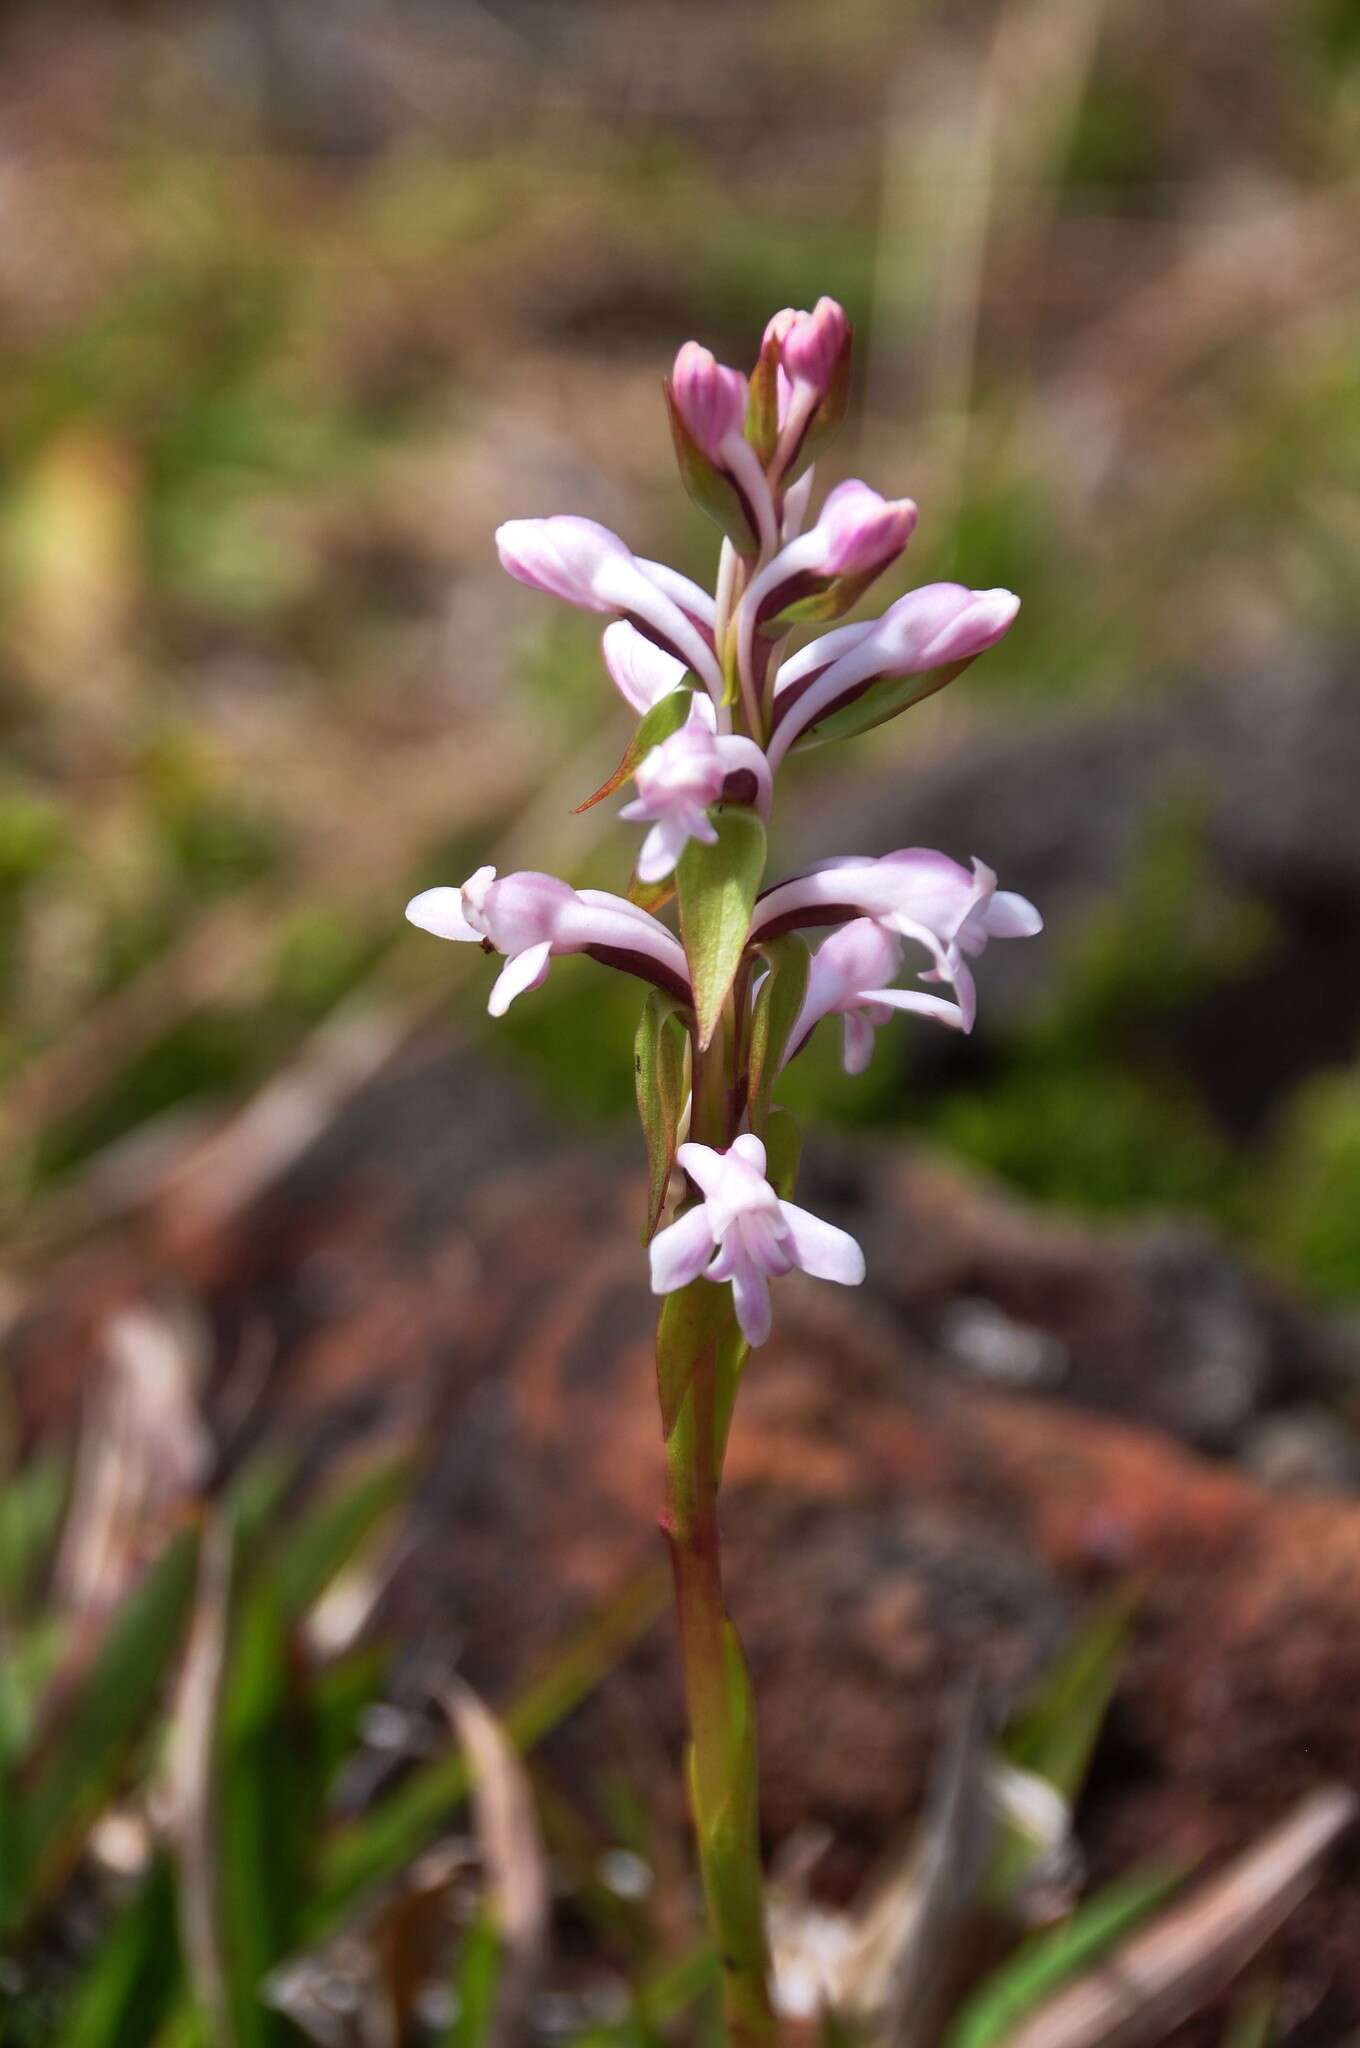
(916, 893)
(530, 917)
(744, 1234)
(585, 564)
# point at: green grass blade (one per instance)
(1055, 1735)
(252, 1789)
(328, 1536)
(1252, 2021)
(268, 1797)
(59, 1789)
(375, 1848)
(31, 1502)
(126, 1988)
(479, 1973)
(1047, 1960)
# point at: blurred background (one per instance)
(298, 299)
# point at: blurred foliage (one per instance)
(222, 1806)
(263, 404)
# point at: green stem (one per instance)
(722, 1756)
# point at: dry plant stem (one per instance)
(722, 1756)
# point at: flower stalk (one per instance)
(737, 993)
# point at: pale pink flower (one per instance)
(849, 979)
(940, 625)
(813, 353)
(708, 403)
(585, 564)
(529, 917)
(744, 1234)
(710, 399)
(811, 345)
(678, 781)
(916, 893)
(856, 536)
(641, 672)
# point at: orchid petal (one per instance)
(749, 1147)
(441, 911)
(938, 1007)
(641, 672)
(521, 972)
(1012, 917)
(857, 1042)
(821, 1249)
(679, 1253)
(751, 1298)
(704, 1166)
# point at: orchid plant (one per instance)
(737, 992)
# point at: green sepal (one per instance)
(712, 491)
(693, 1320)
(666, 716)
(778, 1005)
(659, 1052)
(717, 888)
(880, 702)
(783, 1151)
(831, 601)
(762, 407)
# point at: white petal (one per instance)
(441, 911)
(679, 1253)
(642, 672)
(1012, 917)
(523, 971)
(938, 1007)
(749, 1148)
(857, 1042)
(821, 1249)
(680, 589)
(660, 850)
(751, 1298)
(704, 1166)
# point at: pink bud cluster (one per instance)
(724, 702)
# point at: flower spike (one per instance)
(719, 709)
(743, 1233)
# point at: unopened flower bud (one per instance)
(940, 627)
(707, 403)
